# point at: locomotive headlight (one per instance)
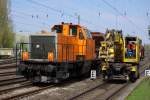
(50, 56)
(25, 56)
(37, 46)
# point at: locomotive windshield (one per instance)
(131, 47)
(130, 39)
(57, 28)
(88, 33)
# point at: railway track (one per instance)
(102, 92)
(25, 90)
(12, 87)
(7, 73)
(7, 66)
(7, 69)
(120, 88)
(7, 61)
(146, 65)
(5, 82)
(31, 91)
(105, 86)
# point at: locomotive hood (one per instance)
(42, 44)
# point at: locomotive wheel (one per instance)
(138, 76)
(133, 77)
(104, 75)
(57, 81)
(105, 78)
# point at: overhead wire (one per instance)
(123, 15)
(31, 16)
(35, 19)
(27, 24)
(61, 11)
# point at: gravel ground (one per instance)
(8, 77)
(66, 92)
(18, 91)
(126, 91)
(7, 65)
(8, 70)
(13, 85)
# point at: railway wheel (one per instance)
(133, 77)
(138, 75)
(134, 73)
(104, 75)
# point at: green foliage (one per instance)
(141, 92)
(6, 31)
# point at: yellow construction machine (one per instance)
(118, 60)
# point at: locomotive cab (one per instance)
(132, 55)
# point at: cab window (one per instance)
(88, 33)
(57, 28)
(81, 35)
(73, 30)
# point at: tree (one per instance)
(6, 29)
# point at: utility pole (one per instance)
(78, 19)
(149, 30)
(147, 14)
(116, 22)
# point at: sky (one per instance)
(130, 16)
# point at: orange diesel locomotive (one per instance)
(67, 51)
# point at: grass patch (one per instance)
(141, 92)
